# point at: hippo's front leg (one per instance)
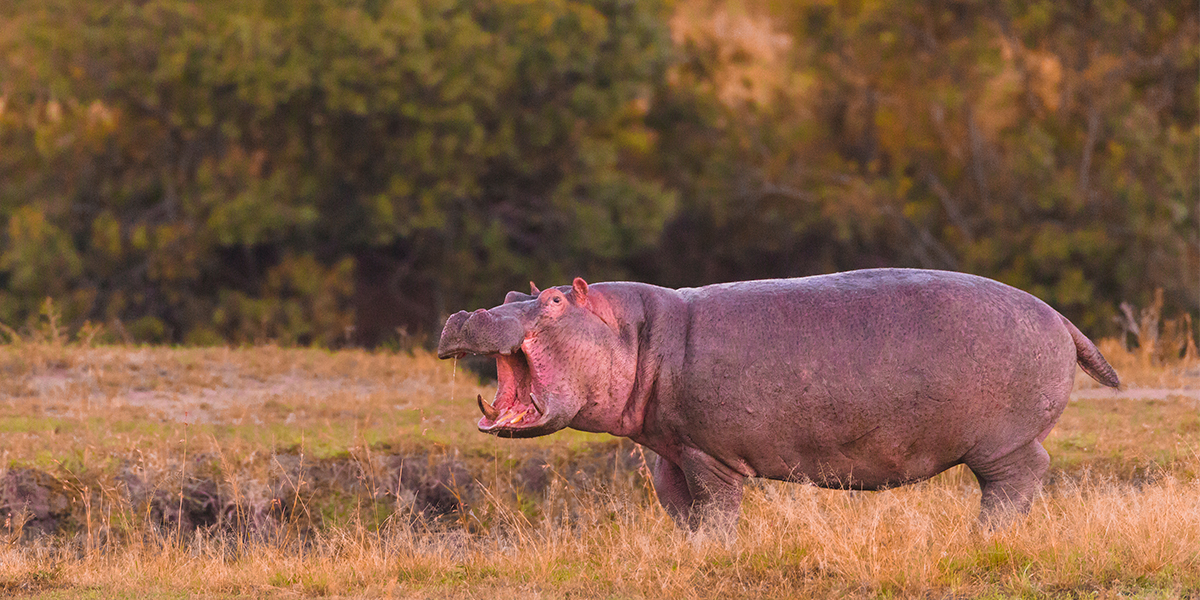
(672, 489)
(700, 491)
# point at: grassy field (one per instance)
(282, 473)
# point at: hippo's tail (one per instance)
(1090, 359)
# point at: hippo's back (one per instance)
(881, 376)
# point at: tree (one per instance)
(216, 168)
(330, 170)
(1052, 146)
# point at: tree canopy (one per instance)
(326, 171)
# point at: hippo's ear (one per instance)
(597, 303)
(580, 287)
(533, 289)
(511, 297)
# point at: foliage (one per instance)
(327, 170)
(1053, 146)
(216, 171)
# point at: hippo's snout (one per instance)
(480, 332)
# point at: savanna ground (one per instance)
(136, 472)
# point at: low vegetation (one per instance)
(270, 472)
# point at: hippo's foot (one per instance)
(700, 494)
(1009, 484)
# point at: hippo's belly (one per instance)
(862, 386)
(836, 433)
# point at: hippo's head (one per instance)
(559, 357)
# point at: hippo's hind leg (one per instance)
(1010, 483)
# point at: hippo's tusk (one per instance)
(537, 403)
(486, 408)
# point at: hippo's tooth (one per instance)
(504, 417)
(486, 408)
(509, 417)
(506, 352)
(537, 403)
(525, 413)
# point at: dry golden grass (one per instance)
(1120, 516)
(794, 541)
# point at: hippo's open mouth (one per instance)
(517, 408)
(516, 404)
(524, 406)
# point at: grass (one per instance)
(285, 473)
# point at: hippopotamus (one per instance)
(860, 380)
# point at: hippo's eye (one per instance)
(557, 300)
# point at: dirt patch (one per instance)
(69, 392)
(296, 494)
(33, 501)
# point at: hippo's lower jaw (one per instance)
(518, 410)
(516, 416)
